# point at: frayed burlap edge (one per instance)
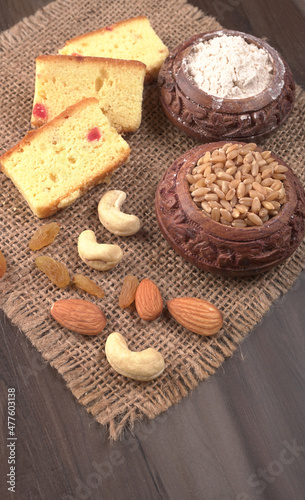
(49, 13)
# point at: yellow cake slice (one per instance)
(64, 80)
(55, 164)
(130, 39)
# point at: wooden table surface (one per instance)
(238, 436)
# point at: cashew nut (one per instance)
(96, 255)
(110, 215)
(141, 365)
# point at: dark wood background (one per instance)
(238, 436)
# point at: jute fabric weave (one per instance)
(27, 295)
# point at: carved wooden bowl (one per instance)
(222, 249)
(209, 118)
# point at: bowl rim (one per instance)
(238, 105)
(216, 229)
(220, 249)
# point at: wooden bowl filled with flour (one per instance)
(225, 85)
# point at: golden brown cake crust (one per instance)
(106, 28)
(54, 207)
(57, 120)
(140, 25)
(62, 80)
(64, 197)
(130, 63)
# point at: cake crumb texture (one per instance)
(130, 39)
(55, 164)
(64, 80)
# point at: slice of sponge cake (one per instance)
(65, 80)
(130, 39)
(56, 163)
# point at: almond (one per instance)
(197, 315)
(80, 316)
(148, 300)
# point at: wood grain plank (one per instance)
(12, 11)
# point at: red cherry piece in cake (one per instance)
(40, 111)
(109, 28)
(94, 134)
(75, 54)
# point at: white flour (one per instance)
(229, 67)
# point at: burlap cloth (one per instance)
(27, 295)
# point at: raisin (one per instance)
(2, 264)
(128, 292)
(88, 285)
(44, 236)
(55, 271)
